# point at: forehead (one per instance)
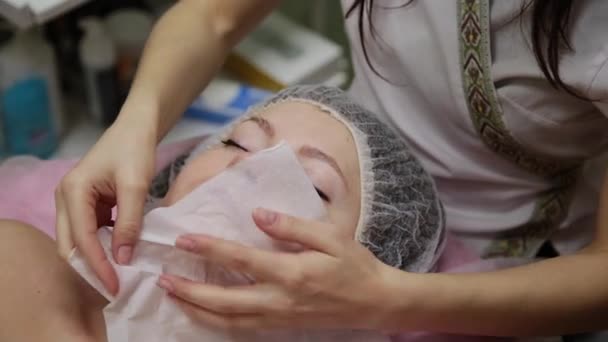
(307, 115)
(303, 120)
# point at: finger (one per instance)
(260, 264)
(221, 321)
(250, 299)
(80, 205)
(312, 234)
(130, 204)
(62, 227)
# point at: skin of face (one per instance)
(315, 137)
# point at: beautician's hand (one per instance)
(116, 171)
(336, 284)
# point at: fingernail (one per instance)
(165, 284)
(185, 243)
(267, 217)
(124, 254)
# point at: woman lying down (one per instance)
(308, 152)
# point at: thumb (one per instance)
(130, 205)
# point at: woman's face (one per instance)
(324, 146)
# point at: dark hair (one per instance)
(549, 34)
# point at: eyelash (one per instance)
(322, 195)
(232, 143)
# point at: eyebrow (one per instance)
(263, 124)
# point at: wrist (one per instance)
(397, 293)
(417, 301)
(142, 117)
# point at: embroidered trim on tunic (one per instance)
(487, 117)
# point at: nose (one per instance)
(236, 159)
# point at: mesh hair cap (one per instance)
(401, 219)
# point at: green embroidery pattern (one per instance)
(486, 114)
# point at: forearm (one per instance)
(186, 48)
(552, 297)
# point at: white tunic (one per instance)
(419, 48)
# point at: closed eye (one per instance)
(232, 143)
(323, 196)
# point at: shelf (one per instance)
(27, 13)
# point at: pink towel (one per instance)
(28, 185)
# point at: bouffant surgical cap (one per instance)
(401, 219)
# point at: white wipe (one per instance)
(220, 207)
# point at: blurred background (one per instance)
(66, 68)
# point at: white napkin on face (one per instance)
(220, 207)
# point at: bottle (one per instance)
(30, 100)
(6, 33)
(3, 151)
(98, 58)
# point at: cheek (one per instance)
(345, 218)
(198, 171)
(345, 212)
